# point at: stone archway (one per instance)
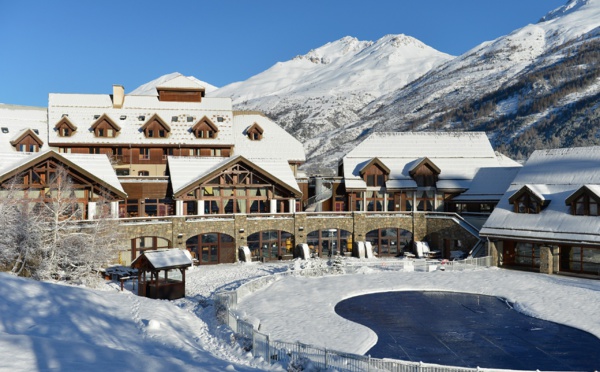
(212, 248)
(270, 245)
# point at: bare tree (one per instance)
(48, 239)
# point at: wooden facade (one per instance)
(42, 179)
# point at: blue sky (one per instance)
(87, 46)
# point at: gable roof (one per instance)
(106, 118)
(95, 167)
(423, 162)
(535, 191)
(255, 127)
(375, 162)
(163, 259)
(207, 121)
(458, 156)
(205, 168)
(181, 82)
(593, 190)
(65, 120)
(82, 108)
(276, 142)
(158, 119)
(557, 175)
(24, 133)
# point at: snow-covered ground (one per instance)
(47, 326)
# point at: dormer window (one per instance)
(105, 127)
(424, 172)
(155, 127)
(255, 132)
(27, 141)
(375, 173)
(584, 202)
(205, 128)
(527, 201)
(65, 127)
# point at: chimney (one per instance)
(118, 96)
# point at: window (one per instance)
(143, 173)
(122, 171)
(64, 150)
(65, 132)
(526, 204)
(100, 132)
(205, 129)
(585, 206)
(94, 150)
(425, 200)
(144, 153)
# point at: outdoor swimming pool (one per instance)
(468, 330)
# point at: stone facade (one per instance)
(239, 226)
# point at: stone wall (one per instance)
(179, 229)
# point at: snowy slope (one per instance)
(325, 88)
(55, 327)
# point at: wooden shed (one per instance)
(161, 273)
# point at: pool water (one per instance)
(466, 330)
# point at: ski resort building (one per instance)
(180, 169)
(548, 219)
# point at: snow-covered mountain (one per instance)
(325, 88)
(537, 87)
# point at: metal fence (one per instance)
(298, 356)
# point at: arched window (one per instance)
(390, 242)
(212, 248)
(328, 242)
(271, 245)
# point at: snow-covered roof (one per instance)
(489, 184)
(185, 171)
(457, 154)
(96, 166)
(15, 120)
(181, 82)
(83, 111)
(165, 258)
(554, 175)
(275, 143)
